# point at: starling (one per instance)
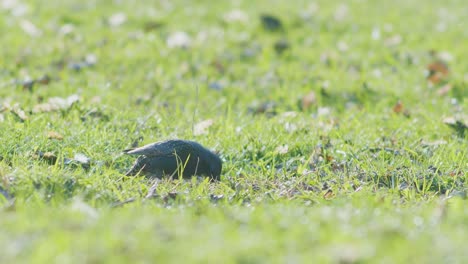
(173, 157)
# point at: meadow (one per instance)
(341, 126)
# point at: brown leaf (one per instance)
(54, 135)
(308, 100)
(438, 71)
(398, 107)
(49, 157)
(328, 194)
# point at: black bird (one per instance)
(175, 157)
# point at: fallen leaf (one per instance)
(179, 39)
(66, 29)
(19, 113)
(328, 194)
(235, 16)
(398, 107)
(29, 28)
(342, 46)
(117, 19)
(444, 89)
(54, 135)
(49, 157)
(202, 127)
(56, 103)
(437, 71)
(433, 143)
(90, 59)
(79, 159)
(308, 100)
(283, 149)
(393, 41)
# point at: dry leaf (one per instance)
(393, 41)
(18, 112)
(444, 89)
(329, 194)
(29, 28)
(282, 149)
(56, 103)
(398, 107)
(81, 158)
(117, 19)
(202, 127)
(308, 100)
(438, 71)
(433, 143)
(235, 16)
(179, 39)
(49, 157)
(54, 135)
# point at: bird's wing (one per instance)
(154, 149)
(165, 148)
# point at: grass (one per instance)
(365, 170)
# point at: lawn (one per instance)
(342, 126)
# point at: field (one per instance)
(342, 126)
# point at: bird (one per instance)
(173, 158)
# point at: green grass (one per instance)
(346, 179)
